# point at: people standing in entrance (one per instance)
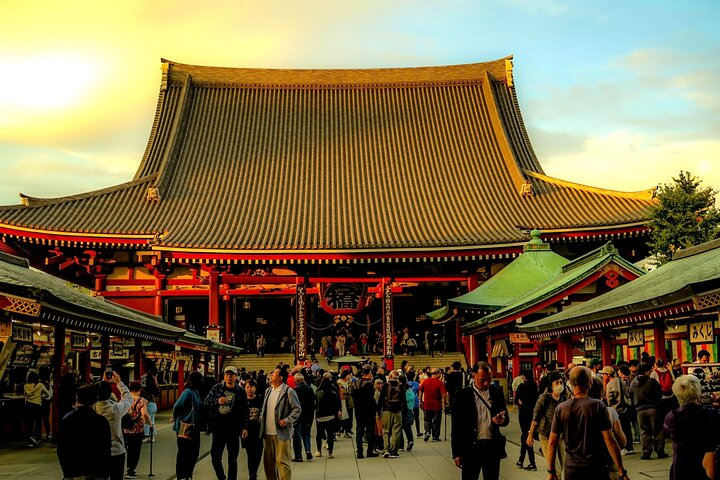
(252, 443)
(526, 398)
(150, 392)
(114, 412)
(83, 443)
(477, 415)
(133, 436)
(227, 407)
(585, 425)
(646, 395)
(260, 346)
(433, 398)
(543, 413)
(35, 393)
(329, 409)
(280, 411)
(187, 411)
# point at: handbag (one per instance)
(378, 427)
(187, 429)
(344, 415)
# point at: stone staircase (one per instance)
(267, 363)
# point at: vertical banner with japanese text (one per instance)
(387, 312)
(301, 319)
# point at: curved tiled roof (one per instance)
(248, 160)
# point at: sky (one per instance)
(615, 94)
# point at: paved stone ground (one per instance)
(426, 461)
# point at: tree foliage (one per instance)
(685, 216)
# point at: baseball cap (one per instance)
(593, 362)
(608, 370)
(231, 369)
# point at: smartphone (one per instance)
(108, 372)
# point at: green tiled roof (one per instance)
(571, 274)
(535, 266)
(694, 270)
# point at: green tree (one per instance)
(684, 216)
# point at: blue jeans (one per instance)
(152, 410)
(301, 437)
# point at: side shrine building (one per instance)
(299, 204)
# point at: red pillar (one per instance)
(606, 348)
(516, 360)
(99, 282)
(58, 360)
(659, 331)
(159, 287)
(564, 350)
(228, 319)
(214, 300)
(472, 281)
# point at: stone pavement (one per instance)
(426, 461)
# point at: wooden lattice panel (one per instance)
(24, 307)
(709, 300)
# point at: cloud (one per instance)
(631, 161)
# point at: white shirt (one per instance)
(270, 424)
(484, 419)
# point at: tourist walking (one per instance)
(586, 426)
(252, 443)
(133, 435)
(226, 405)
(542, 418)
(329, 409)
(280, 411)
(646, 395)
(477, 415)
(186, 421)
(391, 406)
(301, 437)
(365, 408)
(433, 398)
(526, 398)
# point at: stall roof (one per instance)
(197, 342)
(27, 291)
(692, 278)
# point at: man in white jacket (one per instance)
(114, 412)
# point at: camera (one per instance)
(108, 372)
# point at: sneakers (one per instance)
(625, 451)
(426, 437)
(437, 440)
(34, 442)
(377, 451)
(318, 453)
(372, 455)
(330, 455)
(519, 464)
(359, 455)
(662, 455)
(297, 459)
(386, 455)
(410, 446)
(531, 467)
(393, 455)
(308, 455)
(131, 475)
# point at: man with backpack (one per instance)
(665, 378)
(228, 408)
(391, 406)
(617, 393)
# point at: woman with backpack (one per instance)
(186, 423)
(133, 427)
(328, 409)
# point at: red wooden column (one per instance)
(159, 287)
(100, 282)
(659, 332)
(214, 299)
(564, 349)
(516, 360)
(301, 324)
(58, 360)
(606, 348)
(138, 360)
(228, 318)
(387, 320)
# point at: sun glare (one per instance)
(45, 83)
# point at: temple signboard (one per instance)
(387, 321)
(301, 316)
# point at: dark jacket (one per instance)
(233, 422)
(645, 393)
(382, 404)
(84, 444)
(328, 401)
(364, 399)
(306, 395)
(464, 419)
